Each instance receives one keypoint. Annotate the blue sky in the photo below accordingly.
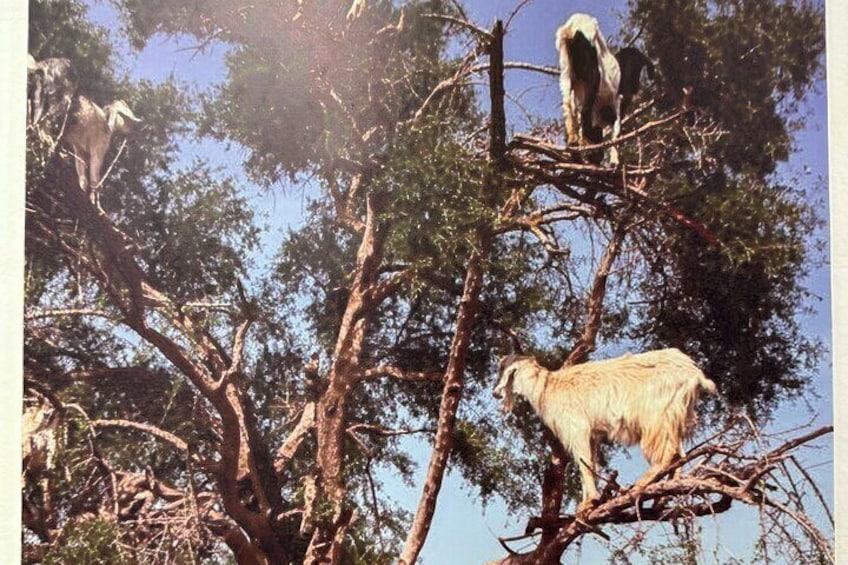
(464, 532)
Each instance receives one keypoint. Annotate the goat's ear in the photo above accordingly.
(112, 118)
(125, 111)
(115, 114)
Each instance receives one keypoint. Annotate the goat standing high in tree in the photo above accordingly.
(589, 80)
(50, 88)
(88, 135)
(597, 87)
(648, 398)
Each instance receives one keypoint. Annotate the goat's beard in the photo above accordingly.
(508, 401)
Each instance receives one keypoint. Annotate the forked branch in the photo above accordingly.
(716, 475)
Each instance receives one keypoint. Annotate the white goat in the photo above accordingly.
(50, 88)
(589, 80)
(41, 439)
(647, 398)
(88, 134)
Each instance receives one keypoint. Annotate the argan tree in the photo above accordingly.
(197, 403)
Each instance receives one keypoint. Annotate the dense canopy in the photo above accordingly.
(218, 399)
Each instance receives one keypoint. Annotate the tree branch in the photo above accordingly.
(730, 480)
(298, 434)
(586, 342)
(399, 374)
(467, 311)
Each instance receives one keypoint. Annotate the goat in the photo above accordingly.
(648, 398)
(631, 61)
(41, 439)
(88, 134)
(589, 81)
(50, 88)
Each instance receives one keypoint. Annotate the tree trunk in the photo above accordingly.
(330, 418)
(468, 307)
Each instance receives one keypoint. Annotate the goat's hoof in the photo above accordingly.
(635, 493)
(587, 505)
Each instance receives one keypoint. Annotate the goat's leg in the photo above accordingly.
(660, 453)
(569, 111)
(582, 452)
(616, 131)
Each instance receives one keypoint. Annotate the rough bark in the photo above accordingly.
(722, 473)
(330, 416)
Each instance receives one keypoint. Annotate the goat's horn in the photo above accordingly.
(127, 113)
(120, 107)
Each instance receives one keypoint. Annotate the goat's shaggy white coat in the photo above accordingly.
(647, 398)
(40, 439)
(576, 90)
(49, 88)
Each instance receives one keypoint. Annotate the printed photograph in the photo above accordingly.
(433, 282)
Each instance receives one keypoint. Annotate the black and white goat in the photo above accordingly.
(648, 398)
(589, 79)
(50, 88)
(597, 87)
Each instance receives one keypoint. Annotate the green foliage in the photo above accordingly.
(60, 28)
(734, 305)
(91, 541)
(433, 184)
(305, 91)
(747, 61)
(324, 102)
(312, 266)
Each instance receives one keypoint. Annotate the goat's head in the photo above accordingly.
(115, 114)
(506, 377)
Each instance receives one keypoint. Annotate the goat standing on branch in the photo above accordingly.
(88, 134)
(50, 88)
(597, 87)
(647, 398)
(589, 80)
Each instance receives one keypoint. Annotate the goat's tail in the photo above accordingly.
(706, 384)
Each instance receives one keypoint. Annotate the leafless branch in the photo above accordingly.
(384, 432)
(464, 23)
(298, 434)
(400, 374)
(60, 312)
(736, 477)
(520, 6)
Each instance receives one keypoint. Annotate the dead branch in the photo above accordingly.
(552, 71)
(733, 477)
(146, 428)
(60, 312)
(586, 342)
(483, 34)
(399, 374)
(384, 432)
